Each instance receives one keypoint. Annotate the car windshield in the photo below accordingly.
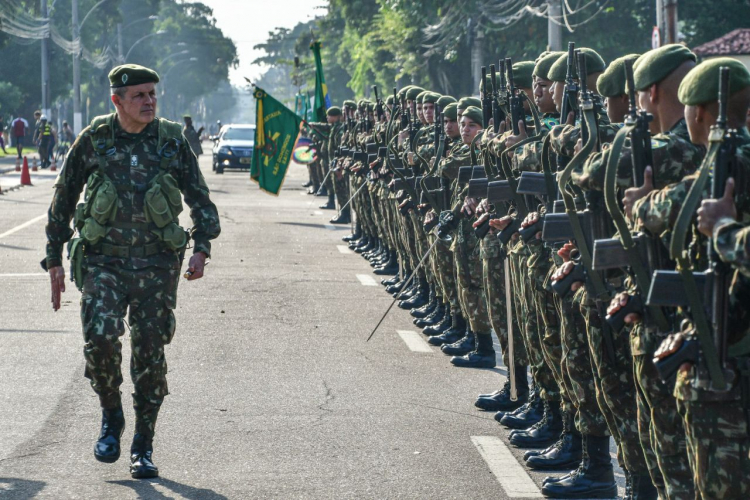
(239, 134)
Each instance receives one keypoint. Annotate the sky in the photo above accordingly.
(247, 23)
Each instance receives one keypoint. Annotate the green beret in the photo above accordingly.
(544, 63)
(445, 101)
(522, 71)
(127, 75)
(701, 84)
(474, 114)
(465, 102)
(403, 91)
(187, 116)
(451, 111)
(611, 83)
(559, 69)
(488, 81)
(370, 105)
(334, 111)
(655, 65)
(421, 95)
(349, 104)
(413, 92)
(389, 100)
(430, 97)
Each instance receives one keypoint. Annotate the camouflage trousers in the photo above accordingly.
(407, 234)
(420, 246)
(340, 187)
(148, 297)
(661, 428)
(616, 384)
(548, 324)
(576, 365)
(493, 266)
(470, 287)
(446, 273)
(718, 442)
(527, 318)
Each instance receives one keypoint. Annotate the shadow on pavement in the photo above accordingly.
(19, 489)
(145, 489)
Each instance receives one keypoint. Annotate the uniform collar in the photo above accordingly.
(152, 129)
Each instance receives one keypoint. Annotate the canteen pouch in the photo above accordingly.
(173, 236)
(75, 255)
(103, 204)
(156, 207)
(92, 231)
(79, 216)
(172, 193)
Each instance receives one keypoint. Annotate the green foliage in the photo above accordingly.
(10, 98)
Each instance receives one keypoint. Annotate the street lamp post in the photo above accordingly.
(120, 28)
(160, 32)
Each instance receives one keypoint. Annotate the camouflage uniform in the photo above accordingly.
(147, 285)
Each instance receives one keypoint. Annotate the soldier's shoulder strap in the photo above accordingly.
(170, 138)
(102, 133)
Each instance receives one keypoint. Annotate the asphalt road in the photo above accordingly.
(274, 391)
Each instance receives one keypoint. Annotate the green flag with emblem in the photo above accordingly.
(276, 133)
(322, 100)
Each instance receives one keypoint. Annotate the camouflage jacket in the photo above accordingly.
(528, 158)
(135, 162)
(674, 157)
(732, 242)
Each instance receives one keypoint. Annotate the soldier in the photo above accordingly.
(127, 259)
(193, 136)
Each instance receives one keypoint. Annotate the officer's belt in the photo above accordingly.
(125, 252)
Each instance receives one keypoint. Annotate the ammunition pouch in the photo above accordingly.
(92, 231)
(75, 255)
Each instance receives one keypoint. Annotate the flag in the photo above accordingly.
(322, 101)
(276, 133)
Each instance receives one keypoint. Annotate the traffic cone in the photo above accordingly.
(53, 166)
(18, 164)
(25, 176)
(33, 166)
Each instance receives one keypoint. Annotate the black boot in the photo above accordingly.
(500, 401)
(396, 287)
(141, 463)
(366, 246)
(441, 326)
(526, 415)
(483, 355)
(465, 345)
(593, 479)
(435, 316)
(452, 334)
(321, 191)
(564, 454)
(330, 204)
(425, 310)
(107, 447)
(391, 281)
(354, 236)
(342, 218)
(386, 270)
(418, 299)
(543, 433)
(642, 488)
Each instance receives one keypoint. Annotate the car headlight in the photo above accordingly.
(224, 150)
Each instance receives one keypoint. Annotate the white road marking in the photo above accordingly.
(414, 341)
(303, 193)
(509, 473)
(343, 249)
(318, 212)
(25, 224)
(366, 280)
(330, 227)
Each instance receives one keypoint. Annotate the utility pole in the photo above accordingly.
(554, 29)
(120, 55)
(45, 67)
(77, 117)
(670, 17)
(476, 61)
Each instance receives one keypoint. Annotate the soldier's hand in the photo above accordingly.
(530, 220)
(618, 302)
(470, 205)
(57, 282)
(711, 211)
(410, 158)
(565, 251)
(480, 220)
(634, 194)
(578, 147)
(501, 223)
(484, 205)
(571, 119)
(515, 139)
(565, 270)
(196, 266)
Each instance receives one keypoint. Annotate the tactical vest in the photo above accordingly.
(162, 199)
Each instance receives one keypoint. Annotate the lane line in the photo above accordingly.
(344, 249)
(509, 473)
(330, 227)
(318, 212)
(24, 225)
(366, 280)
(414, 341)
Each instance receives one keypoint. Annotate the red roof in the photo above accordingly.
(735, 42)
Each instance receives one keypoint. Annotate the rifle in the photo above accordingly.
(486, 100)
(570, 98)
(378, 103)
(515, 102)
(497, 112)
(710, 329)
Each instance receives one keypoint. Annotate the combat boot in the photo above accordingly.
(141, 461)
(642, 488)
(391, 281)
(409, 291)
(107, 447)
(425, 310)
(354, 236)
(321, 191)
(564, 454)
(594, 478)
(441, 326)
(525, 416)
(543, 433)
(396, 287)
(483, 355)
(330, 204)
(432, 317)
(344, 217)
(368, 245)
(418, 299)
(452, 334)
(387, 269)
(500, 400)
(354, 245)
(465, 345)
